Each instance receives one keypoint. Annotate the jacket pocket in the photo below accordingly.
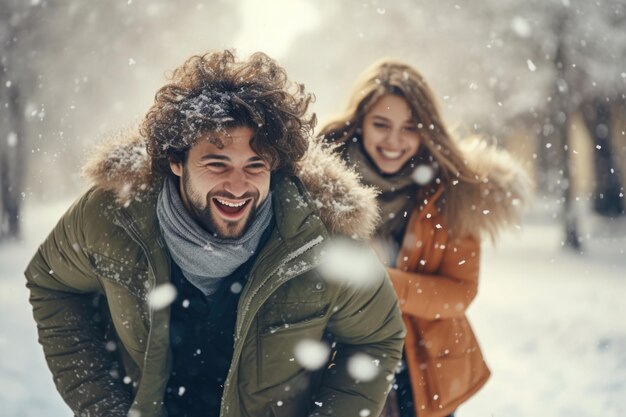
(276, 362)
(296, 401)
(443, 338)
(129, 316)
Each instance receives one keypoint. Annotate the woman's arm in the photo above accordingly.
(447, 293)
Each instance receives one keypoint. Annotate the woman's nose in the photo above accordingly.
(394, 137)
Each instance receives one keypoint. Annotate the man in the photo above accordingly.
(217, 209)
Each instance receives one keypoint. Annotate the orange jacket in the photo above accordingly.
(436, 279)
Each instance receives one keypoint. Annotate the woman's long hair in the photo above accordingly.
(437, 145)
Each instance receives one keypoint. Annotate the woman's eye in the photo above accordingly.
(410, 128)
(379, 125)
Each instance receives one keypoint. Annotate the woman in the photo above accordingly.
(437, 198)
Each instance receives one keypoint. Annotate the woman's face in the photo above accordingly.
(390, 136)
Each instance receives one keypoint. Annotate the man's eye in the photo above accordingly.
(257, 167)
(218, 165)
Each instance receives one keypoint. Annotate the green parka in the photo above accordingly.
(108, 350)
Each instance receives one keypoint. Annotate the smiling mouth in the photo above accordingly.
(231, 209)
(391, 155)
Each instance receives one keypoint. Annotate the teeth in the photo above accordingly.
(226, 203)
(391, 154)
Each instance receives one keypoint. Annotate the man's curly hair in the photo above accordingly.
(215, 92)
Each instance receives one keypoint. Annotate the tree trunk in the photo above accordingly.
(12, 160)
(562, 108)
(549, 155)
(16, 77)
(560, 140)
(608, 189)
(570, 214)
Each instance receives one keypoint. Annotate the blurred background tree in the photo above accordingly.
(65, 66)
(504, 68)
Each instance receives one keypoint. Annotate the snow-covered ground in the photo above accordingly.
(26, 386)
(552, 325)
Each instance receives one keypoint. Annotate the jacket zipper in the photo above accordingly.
(238, 334)
(293, 255)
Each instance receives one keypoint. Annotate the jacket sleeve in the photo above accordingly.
(62, 292)
(446, 294)
(368, 321)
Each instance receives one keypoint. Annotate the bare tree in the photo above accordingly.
(608, 189)
(62, 64)
(18, 23)
(581, 45)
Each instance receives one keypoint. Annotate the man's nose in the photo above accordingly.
(236, 183)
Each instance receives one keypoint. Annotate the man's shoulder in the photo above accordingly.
(99, 198)
(105, 204)
(105, 234)
(95, 215)
(345, 205)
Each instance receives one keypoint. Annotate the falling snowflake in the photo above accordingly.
(423, 174)
(521, 27)
(162, 296)
(311, 354)
(362, 367)
(347, 262)
(236, 288)
(12, 139)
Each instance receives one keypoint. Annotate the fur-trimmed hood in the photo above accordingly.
(121, 165)
(496, 200)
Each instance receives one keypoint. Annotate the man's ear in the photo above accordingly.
(176, 167)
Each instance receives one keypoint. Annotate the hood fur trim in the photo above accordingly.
(346, 205)
(496, 200)
(121, 165)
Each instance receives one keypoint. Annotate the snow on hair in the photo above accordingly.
(215, 91)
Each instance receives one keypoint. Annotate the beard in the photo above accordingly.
(202, 211)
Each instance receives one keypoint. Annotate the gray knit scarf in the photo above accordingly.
(396, 200)
(397, 191)
(203, 258)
